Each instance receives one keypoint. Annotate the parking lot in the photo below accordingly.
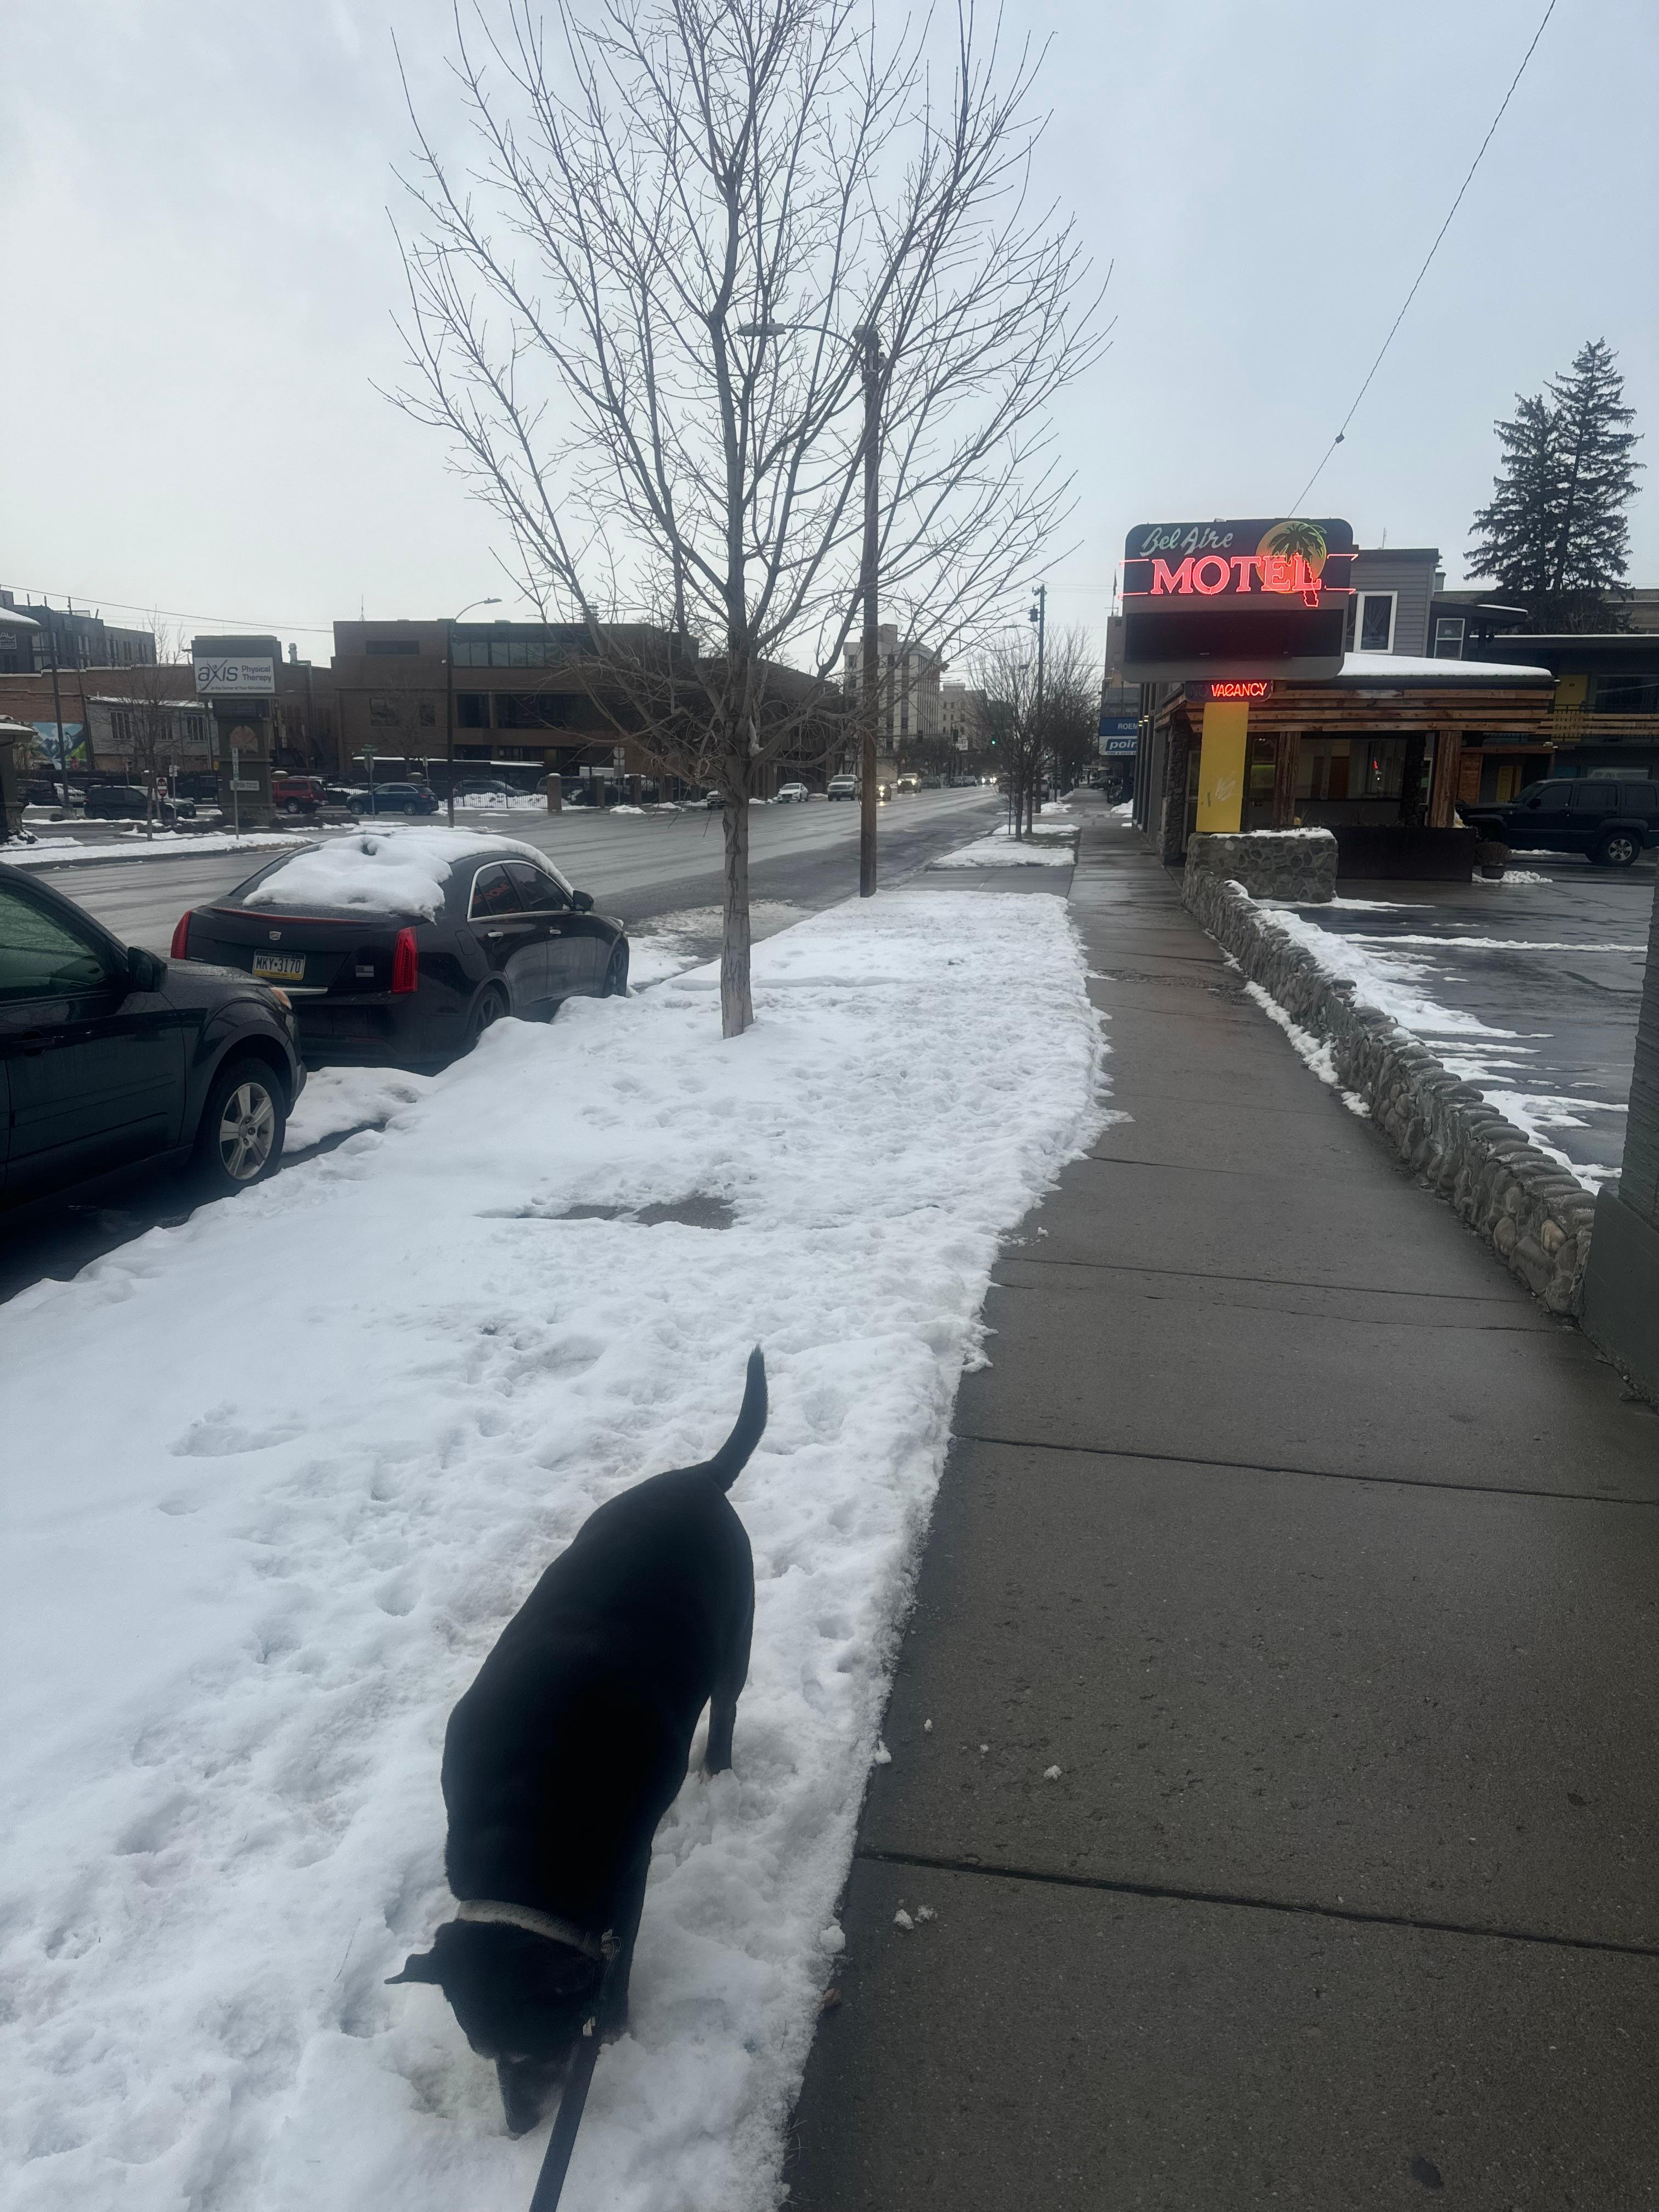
(1528, 989)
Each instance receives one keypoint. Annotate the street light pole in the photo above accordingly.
(449, 695)
(1039, 615)
(869, 681)
(864, 339)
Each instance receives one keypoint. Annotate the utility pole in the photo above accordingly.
(57, 704)
(1039, 615)
(869, 682)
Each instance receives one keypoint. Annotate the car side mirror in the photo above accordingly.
(582, 901)
(144, 969)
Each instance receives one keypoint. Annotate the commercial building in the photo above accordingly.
(908, 700)
(77, 640)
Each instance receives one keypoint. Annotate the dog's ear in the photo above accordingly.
(419, 1966)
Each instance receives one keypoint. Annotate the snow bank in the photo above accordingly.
(1001, 849)
(340, 1425)
(380, 871)
(166, 845)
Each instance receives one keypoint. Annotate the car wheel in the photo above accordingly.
(291, 807)
(488, 1011)
(1617, 849)
(616, 975)
(239, 1140)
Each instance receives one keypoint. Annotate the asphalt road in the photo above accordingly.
(638, 867)
(1554, 968)
(645, 869)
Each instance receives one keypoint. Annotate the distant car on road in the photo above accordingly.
(843, 786)
(906, 784)
(714, 799)
(398, 799)
(1611, 820)
(113, 1058)
(400, 948)
(127, 802)
(793, 794)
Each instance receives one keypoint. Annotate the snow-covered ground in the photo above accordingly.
(164, 845)
(277, 1478)
(1051, 844)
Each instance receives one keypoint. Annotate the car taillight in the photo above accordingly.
(405, 962)
(179, 949)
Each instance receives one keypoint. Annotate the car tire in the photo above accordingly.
(292, 806)
(238, 1140)
(1617, 849)
(616, 973)
(488, 1009)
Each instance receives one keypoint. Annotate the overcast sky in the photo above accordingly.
(200, 275)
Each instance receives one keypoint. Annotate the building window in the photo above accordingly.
(383, 711)
(1627, 695)
(1376, 621)
(472, 710)
(390, 645)
(1448, 637)
(532, 710)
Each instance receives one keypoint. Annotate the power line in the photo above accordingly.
(1295, 504)
(185, 614)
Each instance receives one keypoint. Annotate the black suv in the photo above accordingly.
(1610, 821)
(111, 1058)
(126, 802)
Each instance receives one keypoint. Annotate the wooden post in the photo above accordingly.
(1443, 798)
(1284, 778)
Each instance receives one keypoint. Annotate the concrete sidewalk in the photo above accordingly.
(1324, 1566)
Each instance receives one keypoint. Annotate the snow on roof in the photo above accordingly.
(1411, 668)
(15, 618)
(381, 871)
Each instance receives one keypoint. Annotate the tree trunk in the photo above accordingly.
(737, 1005)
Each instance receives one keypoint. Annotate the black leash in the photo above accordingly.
(549, 2183)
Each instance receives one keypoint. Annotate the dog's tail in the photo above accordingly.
(732, 1457)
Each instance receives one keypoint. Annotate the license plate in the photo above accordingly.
(280, 967)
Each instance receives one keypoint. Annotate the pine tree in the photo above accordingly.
(1590, 559)
(1516, 529)
(1554, 534)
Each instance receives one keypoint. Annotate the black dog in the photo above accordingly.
(570, 1747)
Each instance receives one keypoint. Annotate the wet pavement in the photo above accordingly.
(1529, 988)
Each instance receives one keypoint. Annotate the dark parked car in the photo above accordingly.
(111, 1058)
(126, 802)
(398, 799)
(475, 788)
(401, 948)
(1610, 820)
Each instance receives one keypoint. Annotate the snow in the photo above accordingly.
(343, 1421)
(166, 845)
(382, 870)
(674, 942)
(1512, 876)
(1001, 849)
(1384, 667)
(1487, 1058)
(1316, 1052)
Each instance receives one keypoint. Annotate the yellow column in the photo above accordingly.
(1221, 764)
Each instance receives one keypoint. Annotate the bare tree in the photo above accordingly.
(152, 698)
(1057, 734)
(645, 315)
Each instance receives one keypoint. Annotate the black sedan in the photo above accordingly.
(1610, 819)
(127, 802)
(112, 1059)
(399, 948)
(398, 799)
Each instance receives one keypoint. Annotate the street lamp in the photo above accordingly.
(866, 342)
(1039, 615)
(449, 695)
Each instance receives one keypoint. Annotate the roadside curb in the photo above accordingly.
(1537, 1218)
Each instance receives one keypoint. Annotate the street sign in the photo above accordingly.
(1116, 747)
(1250, 689)
(221, 678)
(1238, 600)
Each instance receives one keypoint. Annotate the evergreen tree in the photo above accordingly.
(1554, 534)
(1590, 558)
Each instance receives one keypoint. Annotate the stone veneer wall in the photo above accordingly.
(1298, 864)
(1537, 1216)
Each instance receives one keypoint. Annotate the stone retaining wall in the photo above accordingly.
(1298, 864)
(1537, 1216)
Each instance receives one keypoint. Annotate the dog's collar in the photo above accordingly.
(492, 1910)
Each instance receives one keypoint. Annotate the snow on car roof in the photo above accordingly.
(382, 870)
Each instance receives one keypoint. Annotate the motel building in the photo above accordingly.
(1298, 727)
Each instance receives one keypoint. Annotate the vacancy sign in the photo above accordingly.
(219, 678)
(1235, 602)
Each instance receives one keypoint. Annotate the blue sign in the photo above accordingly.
(1120, 745)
